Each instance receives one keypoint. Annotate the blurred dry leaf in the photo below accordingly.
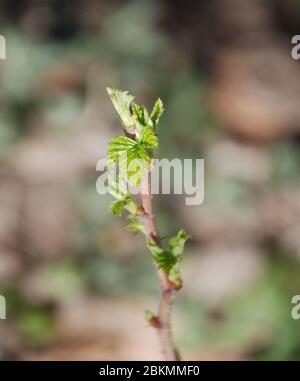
(256, 93)
(222, 271)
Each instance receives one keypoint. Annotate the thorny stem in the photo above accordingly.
(167, 288)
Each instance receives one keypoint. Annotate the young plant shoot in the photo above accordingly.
(132, 156)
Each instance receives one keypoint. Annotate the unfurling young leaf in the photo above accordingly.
(132, 156)
(148, 138)
(122, 101)
(157, 112)
(140, 114)
(117, 146)
(117, 206)
(176, 246)
(118, 188)
(165, 260)
(126, 202)
(135, 225)
(117, 185)
(176, 243)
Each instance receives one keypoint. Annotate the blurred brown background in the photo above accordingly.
(76, 282)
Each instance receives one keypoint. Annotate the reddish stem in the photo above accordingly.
(168, 289)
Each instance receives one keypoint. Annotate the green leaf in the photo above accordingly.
(117, 187)
(117, 206)
(175, 276)
(119, 145)
(164, 259)
(148, 138)
(135, 225)
(136, 166)
(157, 112)
(141, 115)
(131, 156)
(122, 102)
(126, 202)
(176, 243)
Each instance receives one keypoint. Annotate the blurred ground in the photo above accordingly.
(75, 281)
